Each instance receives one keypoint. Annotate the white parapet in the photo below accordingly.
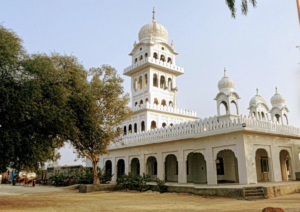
(156, 62)
(203, 128)
(165, 109)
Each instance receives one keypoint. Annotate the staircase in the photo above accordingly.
(254, 193)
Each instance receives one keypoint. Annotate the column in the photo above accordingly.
(211, 167)
(181, 164)
(114, 168)
(160, 166)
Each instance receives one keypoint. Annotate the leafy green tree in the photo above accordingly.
(99, 111)
(244, 6)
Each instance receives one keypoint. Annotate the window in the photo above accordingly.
(153, 125)
(155, 80)
(162, 48)
(140, 83)
(135, 61)
(135, 104)
(264, 164)
(164, 124)
(162, 82)
(156, 101)
(143, 126)
(262, 115)
(155, 56)
(141, 57)
(171, 124)
(135, 128)
(220, 166)
(162, 58)
(125, 130)
(223, 108)
(146, 100)
(145, 80)
(170, 104)
(130, 129)
(141, 102)
(277, 116)
(141, 49)
(169, 60)
(146, 55)
(163, 102)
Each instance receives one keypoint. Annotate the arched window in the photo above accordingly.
(254, 114)
(153, 125)
(140, 83)
(277, 117)
(141, 102)
(155, 80)
(155, 55)
(162, 48)
(146, 100)
(223, 108)
(169, 60)
(163, 102)
(171, 124)
(146, 55)
(156, 101)
(162, 82)
(170, 104)
(233, 108)
(125, 132)
(135, 127)
(170, 84)
(162, 58)
(135, 61)
(135, 104)
(129, 129)
(145, 80)
(164, 124)
(143, 126)
(262, 116)
(135, 84)
(141, 57)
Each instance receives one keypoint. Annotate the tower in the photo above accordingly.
(153, 73)
(279, 111)
(258, 107)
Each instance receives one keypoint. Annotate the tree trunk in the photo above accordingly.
(95, 174)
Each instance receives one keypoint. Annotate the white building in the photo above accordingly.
(177, 146)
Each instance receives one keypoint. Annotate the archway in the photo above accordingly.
(196, 168)
(152, 167)
(233, 108)
(171, 169)
(227, 167)
(223, 108)
(129, 129)
(277, 118)
(125, 132)
(155, 80)
(285, 165)
(135, 127)
(143, 126)
(162, 82)
(135, 166)
(155, 101)
(262, 165)
(153, 125)
(108, 167)
(163, 102)
(120, 167)
(155, 55)
(145, 80)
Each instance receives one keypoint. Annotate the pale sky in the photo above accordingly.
(258, 50)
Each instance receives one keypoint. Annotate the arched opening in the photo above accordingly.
(129, 129)
(135, 166)
(156, 101)
(171, 124)
(277, 118)
(120, 167)
(254, 114)
(223, 108)
(143, 126)
(164, 124)
(146, 55)
(285, 165)
(155, 56)
(146, 100)
(108, 167)
(162, 58)
(163, 102)
(152, 167)
(162, 82)
(135, 104)
(145, 80)
(155, 80)
(170, 104)
(125, 132)
(227, 167)
(135, 60)
(141, 57)
(196, 168)
(141, 102)
(285, 119)
(140, 83)
(170, 84)
(233, 108)
(153, 125)
(135, 84)
(263, 116)
(262, 165)
(169, 60)
(171, 169)
(135, 127)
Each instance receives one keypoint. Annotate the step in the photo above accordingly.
(254, 191)
(255, 194)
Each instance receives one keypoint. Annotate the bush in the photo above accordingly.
(161, 185)
(134, 182)
(84, 176)
(58, 179)
(105, 176)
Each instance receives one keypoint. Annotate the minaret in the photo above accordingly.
(279, 111)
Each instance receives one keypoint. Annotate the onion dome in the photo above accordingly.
(257, 99)
(226, 84)
(277, 99)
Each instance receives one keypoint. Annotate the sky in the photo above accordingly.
(257, 50)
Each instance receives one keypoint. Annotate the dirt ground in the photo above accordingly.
(73, 201)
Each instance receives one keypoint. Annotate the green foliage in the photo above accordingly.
(161, 185)
(105, 177)
(134, 182)
(58, 179)
(244, 6)
(83, 176)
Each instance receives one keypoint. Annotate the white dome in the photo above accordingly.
(277, 99)
(257, 99)
(154, 29)
(226, 83)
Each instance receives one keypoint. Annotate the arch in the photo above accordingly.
(129, 129)
(135, 60)
(263, 116)
(156, 101)
(285, 119)
(233, 108)
(140, 83)
(142, 126)
(135, 166)
(254, 114)
(146, 55)
(170, 84)
(171, 124)
(169, 60)
(262, 162)
(146, 100)
(108, 167)
(162, 82)
(145, 80)
(151, 167)
(277, 118)
(141, 102)
(125, 132)
(120, 167)
(135, 127)
(162, 58)
(141, 57)
(155, 56)
(153, 125)
(135, 104)
(223, 108)
(155, 80)
(135, 84)
(196, 168)
(285, 165)
(164, 124)
(163, 102)
(171, 168)
(170, 104)
(227, 167)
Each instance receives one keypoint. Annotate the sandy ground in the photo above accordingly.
(48, 199)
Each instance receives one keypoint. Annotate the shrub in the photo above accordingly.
(161, 185)
(58, 179)
(84, 176)
(105, 177)
(134, 182)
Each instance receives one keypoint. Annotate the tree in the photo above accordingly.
(99, 111)
(244, 6)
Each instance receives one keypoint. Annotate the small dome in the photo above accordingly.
(277, 99)
(226, 83)
(257, 99)
(154, 29)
